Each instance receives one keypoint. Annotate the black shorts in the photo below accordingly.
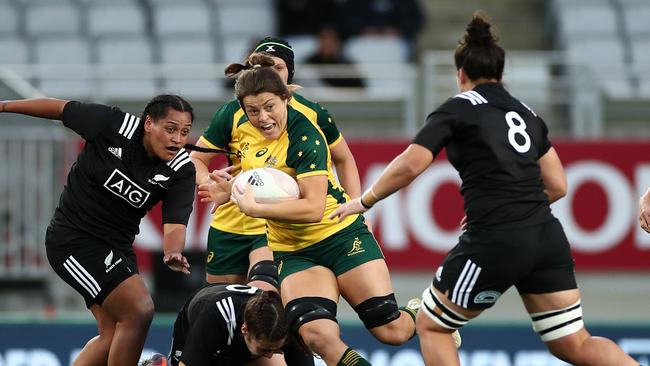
(89, 265)
(485, 263)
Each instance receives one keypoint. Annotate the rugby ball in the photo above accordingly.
(269, 185)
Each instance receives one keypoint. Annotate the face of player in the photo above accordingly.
(281, 68)
(262, 348)
(164, 137)
(268, 113)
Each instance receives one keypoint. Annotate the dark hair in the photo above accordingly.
(278, 47)
(478, 52)
(158, 106)
(255, 76)
(265, 317)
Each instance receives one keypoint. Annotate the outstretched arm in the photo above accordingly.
(173, 244)
(398, 174)
(346, 168)
(37, 107)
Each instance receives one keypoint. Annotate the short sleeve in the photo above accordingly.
(88, 119)
(328, 126)
(178, 202)
(436, 132)
(308, 151)
(220, 129)
(545, 144)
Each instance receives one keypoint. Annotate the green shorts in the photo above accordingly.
(347, 249)
(228, 252)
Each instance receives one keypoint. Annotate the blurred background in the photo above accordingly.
(379, 67)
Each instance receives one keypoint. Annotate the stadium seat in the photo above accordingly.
(181, 18)
(52, 18)
(8, 19)
(115, 56)
(64, 65)
(14, 51)
(106, 19)
(635, 18)
(528, 77)
(190, 54)
(579, 21)
(378, 59)
(604, 59)
(234, 18)
(303, 47)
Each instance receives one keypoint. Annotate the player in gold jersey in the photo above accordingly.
(236, 242)
(319, 259)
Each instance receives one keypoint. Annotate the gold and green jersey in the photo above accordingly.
(223, 134)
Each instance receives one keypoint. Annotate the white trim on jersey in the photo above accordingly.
(465, 283)
(527, 107)
(179, 160)
(82, 276)
(129, 125)
(227, 310)
(472, 96)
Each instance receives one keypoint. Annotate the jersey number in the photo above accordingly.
(242, 288)
(517, 127)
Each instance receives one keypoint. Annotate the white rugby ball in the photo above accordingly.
(269, 185)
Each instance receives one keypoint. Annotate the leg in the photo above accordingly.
(372, 280)
(316, 325)
(230, 278)
(131, 306)
(263, 272)
(571, 342)
(437, 319)
(95, 352)
(230, 255)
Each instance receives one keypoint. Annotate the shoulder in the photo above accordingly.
(298, 122)
(181, 164)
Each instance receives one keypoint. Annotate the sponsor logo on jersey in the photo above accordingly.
(117, 151)
(157, 179)
(487, 297)
(271, 161)
(108, 260)
(262, 152)
(255, 180)
(356, 247)
(120, 185)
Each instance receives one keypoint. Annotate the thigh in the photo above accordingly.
(316, 281)
(541, 303)
(91, 267)
(370, 279)
(128, 300)
(228, 253)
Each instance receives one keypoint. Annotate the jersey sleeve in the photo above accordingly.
(207, 334)
(88, 120)
(328, 126)
(545, 144)
(177, 205)
(436, 132)
(307, 152)
(219, 132)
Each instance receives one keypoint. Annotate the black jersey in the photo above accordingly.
(207, 330)
(494, 141)
(114, 182)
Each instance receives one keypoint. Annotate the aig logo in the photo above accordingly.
(123, 187)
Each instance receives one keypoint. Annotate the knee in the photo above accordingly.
(319, 335)
(313, 318)
(141, 312)
(378, 315)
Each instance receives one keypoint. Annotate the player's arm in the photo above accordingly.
(173, 245)
(346, 168)
(553, 176)
(201, 162)
(309, 208)
(36, 107)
